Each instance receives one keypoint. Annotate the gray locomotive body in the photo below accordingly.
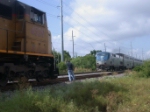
(115, 61)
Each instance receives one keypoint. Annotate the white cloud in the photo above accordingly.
(112, 22)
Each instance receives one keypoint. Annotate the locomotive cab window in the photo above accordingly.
(37, 16)
(5, 11)
(20, 12)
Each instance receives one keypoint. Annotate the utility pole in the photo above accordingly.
(119, 49)
(105, 47)
(62, 41)
(73, 43)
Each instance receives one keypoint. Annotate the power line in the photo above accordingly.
(48, 14)
(47, 3)
(84, 26)
(83, 18)
(83, 34)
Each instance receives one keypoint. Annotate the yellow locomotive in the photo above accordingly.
(25, 43)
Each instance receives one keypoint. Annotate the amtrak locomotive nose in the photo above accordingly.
(101, 60)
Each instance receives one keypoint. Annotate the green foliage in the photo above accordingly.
(66, 55)
(143, 70)
(138, 68)
(62, 66)
(57, 56)
(125, 94)
(90, 98)
(87, 62)
(81, 62)
(94, 52)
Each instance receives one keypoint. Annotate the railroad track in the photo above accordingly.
(11, 86)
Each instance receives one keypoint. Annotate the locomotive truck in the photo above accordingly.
(25, 43)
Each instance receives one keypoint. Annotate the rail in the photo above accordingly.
(61, 79)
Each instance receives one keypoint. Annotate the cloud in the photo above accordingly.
(112, 22)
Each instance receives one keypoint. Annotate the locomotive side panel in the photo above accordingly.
(7, 34)
(3, 39)
(36, 38)
(20, 28)
(49, 43)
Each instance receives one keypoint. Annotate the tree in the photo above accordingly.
(66, 55)
(57, 56)
(93, 52)
(87, 62)
(62, 66)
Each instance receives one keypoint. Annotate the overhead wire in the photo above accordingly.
(47, 3)
(83, 18)
(82, 33)
(77, 22)
(88, 23)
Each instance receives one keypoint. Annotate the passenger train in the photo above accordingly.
(115, 61)
(25, 43)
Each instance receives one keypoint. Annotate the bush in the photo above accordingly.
(86, 62)
(143, 70)
(62, 66)
(138, 68)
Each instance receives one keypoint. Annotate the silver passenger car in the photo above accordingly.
(115, 61)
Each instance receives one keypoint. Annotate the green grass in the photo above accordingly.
(125, 94)
(77, 70)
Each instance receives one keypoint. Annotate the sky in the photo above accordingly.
(111, 25)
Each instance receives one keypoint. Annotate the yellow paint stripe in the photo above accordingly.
(27, 53)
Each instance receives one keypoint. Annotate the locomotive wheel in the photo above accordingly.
(3, 79)
(23, 82)
(39, 77)
(23, 79)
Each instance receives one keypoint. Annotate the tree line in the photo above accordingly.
(80, 63)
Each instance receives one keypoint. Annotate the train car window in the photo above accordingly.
(118, 56)
(5, 11)
(37, 16)
(121, 62)
(113, 55)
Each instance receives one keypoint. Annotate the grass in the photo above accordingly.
(125, 94)
(77, 70)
